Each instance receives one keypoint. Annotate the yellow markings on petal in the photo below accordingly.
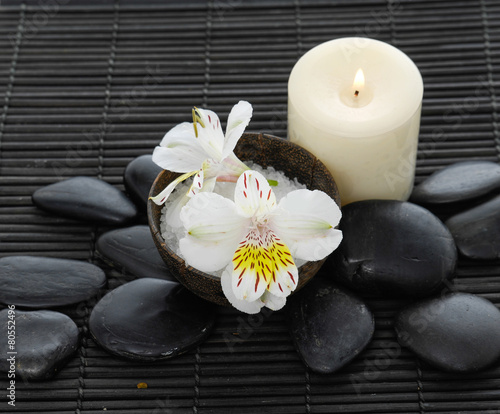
(250, 266)
(262, 261)
(285, 275)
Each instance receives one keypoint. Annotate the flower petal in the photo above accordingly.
(252, 267)
(306, 224)
(237, 121)
(210, 136)
(197, 184)
(262, 262)
(172, 215)
(201, 183)
(284, 274)
(317, 248)
(214, 230)
(162, 197)
(314, 203)
(179, 151)
(273, 302)
(209, 184)
(179, 134)
(230, 168)
(241, 305)
(253, 195)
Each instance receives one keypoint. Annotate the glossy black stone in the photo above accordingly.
(458, 332)
(133, 250)
(44, 282)
(477, 231)
(87, 199)
(329, 325)
(458, 182)
(138, 178)
(151, 319)
(393, 247)
(44, 341)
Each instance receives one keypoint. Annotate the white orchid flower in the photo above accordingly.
(256, 239)
(201, 149)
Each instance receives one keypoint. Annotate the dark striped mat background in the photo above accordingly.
(86, 88)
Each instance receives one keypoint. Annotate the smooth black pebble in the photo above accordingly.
(133, 250)
(329, 325)
(44, 282)
(151, 319)
(477, 231)
(138, 178)
(458, 332)
(458, 182)
(44, 341)
(393, 247)
(87, 199)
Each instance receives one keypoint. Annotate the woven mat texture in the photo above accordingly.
(86, 87)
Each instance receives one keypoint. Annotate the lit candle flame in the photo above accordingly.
(359, 82)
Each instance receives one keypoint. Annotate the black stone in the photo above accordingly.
(87, 199)
(458, 182)
(138, 178)
(133, 251)
(458, 332)
(44, 282)
(477, 231)
(151, 319)
(44, 341)
(393, 247)
(329, 325)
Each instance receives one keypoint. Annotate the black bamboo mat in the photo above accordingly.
(86, 87)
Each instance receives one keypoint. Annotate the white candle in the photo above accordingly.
(364, 131)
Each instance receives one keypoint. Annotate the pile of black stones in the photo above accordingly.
(390, 249)
(149, 318)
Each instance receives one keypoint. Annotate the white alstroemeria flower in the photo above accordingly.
(255, 239)
(201, 149)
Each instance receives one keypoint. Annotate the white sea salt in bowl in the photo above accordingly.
(267, 151)
(172, 235)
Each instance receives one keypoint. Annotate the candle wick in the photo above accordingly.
(356, 93)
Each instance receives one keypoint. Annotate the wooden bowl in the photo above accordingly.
(265, 150)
